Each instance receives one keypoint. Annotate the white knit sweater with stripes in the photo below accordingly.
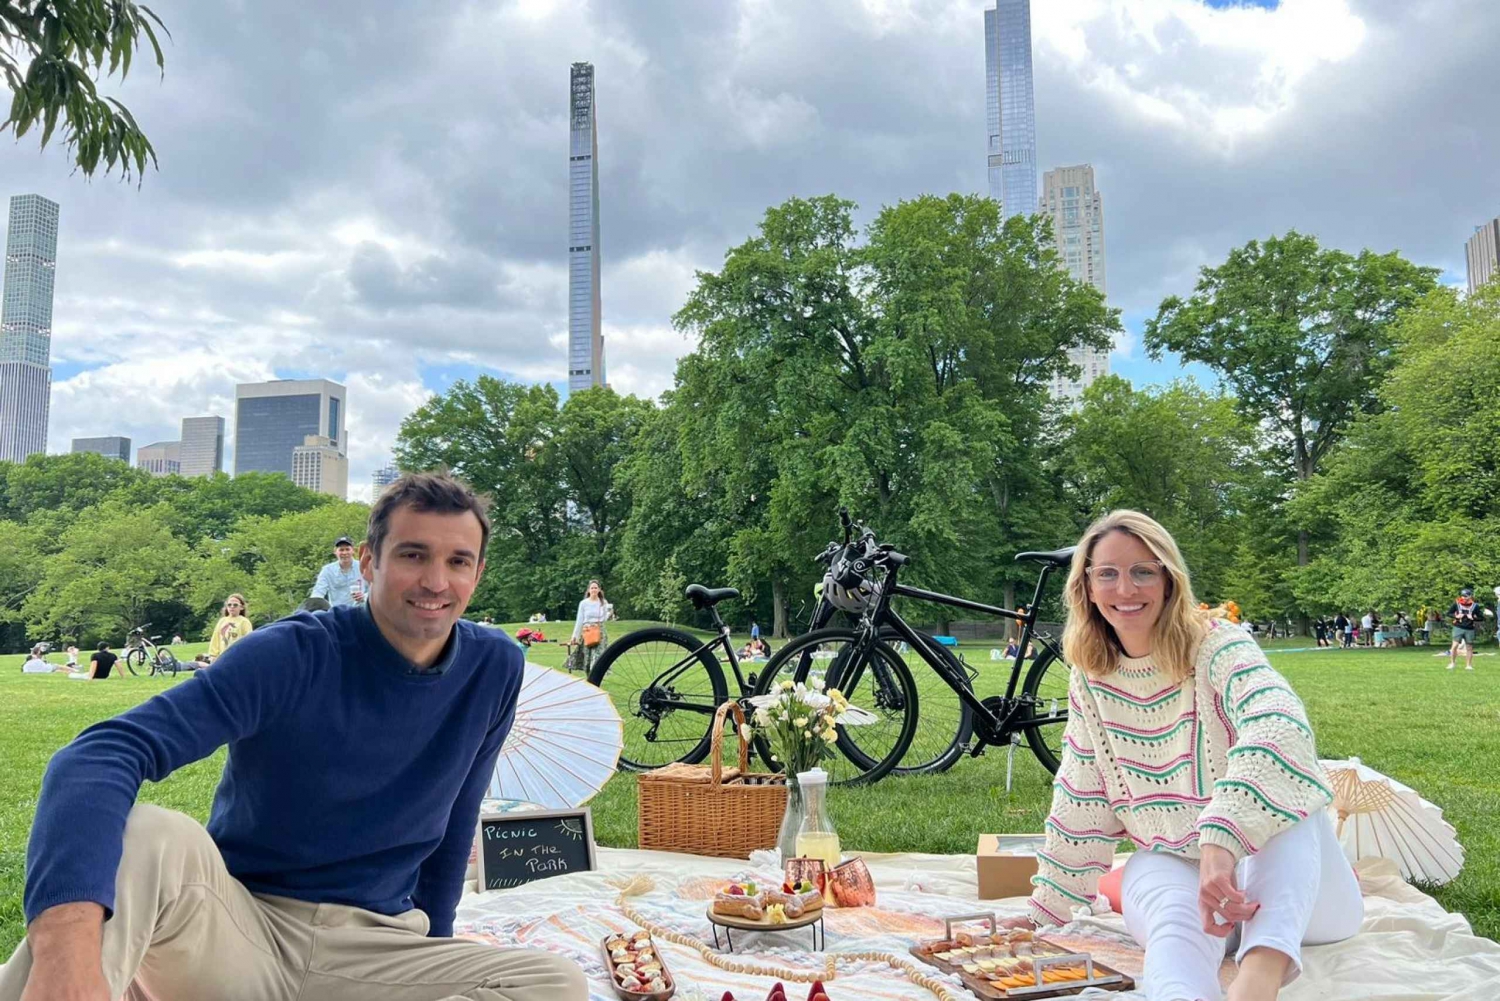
(1224, 758)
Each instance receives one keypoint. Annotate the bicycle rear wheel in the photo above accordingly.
(1046, 691)
(873, 677)
(666, 690)
(166, 662)
(134, 658)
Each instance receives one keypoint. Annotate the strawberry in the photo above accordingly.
(787, 888)
(735, 890)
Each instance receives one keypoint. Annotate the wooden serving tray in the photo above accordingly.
(1099, 975)
(666, 974)
(764, 924)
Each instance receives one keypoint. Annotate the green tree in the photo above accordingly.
(115, 568)
(61, 482)
(52, 52)
(1301, 335)
(210, 506)
(902, 377)
(1178, 453)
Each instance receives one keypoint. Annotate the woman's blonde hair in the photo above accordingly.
(244, 608)
(1090, 643)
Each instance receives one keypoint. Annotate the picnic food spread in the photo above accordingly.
(636, 969)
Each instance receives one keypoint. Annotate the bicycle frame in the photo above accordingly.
(882, 614)
(821, 614)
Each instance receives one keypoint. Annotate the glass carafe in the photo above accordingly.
(817, 838)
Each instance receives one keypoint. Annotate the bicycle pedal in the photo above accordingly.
(977, 751)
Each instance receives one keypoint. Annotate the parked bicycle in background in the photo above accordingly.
(143, 654)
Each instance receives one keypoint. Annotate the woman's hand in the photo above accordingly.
(1217, 893)
(1022, 922)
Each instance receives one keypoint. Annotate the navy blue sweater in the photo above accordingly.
(351, 777)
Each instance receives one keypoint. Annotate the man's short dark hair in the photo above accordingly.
(103, 645)
(430, 493)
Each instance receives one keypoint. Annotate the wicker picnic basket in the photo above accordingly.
(704, 810)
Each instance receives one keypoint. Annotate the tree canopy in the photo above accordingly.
(53, 52)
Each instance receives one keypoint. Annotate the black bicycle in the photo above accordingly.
(667, 683)
(923, 727)
(141, 650)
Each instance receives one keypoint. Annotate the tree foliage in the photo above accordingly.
(52, 53)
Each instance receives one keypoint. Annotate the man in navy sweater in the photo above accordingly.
(360, 743)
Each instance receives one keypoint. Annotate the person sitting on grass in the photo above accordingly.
(1181, 737)
(360, 743)
(101, 663)
(37, 662)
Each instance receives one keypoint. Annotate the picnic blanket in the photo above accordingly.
(1409, 949)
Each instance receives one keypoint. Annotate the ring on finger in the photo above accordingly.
(1223, 902)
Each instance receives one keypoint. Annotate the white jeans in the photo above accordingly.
(1307, 892)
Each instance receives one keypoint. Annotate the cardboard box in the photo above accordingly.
(1005, 864)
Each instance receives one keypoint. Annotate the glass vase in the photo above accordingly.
(791, 821)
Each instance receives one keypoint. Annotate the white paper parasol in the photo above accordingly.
(564, 744)
(1380, 817)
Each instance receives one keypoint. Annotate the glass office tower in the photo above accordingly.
(1010, 106)
(26, 327)
(585, 334)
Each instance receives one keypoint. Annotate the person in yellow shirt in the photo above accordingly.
(231, 627)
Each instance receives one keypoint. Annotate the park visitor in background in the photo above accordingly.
(361, 741)
(339, 582)
(1464, 616)
(589, 635)
(233, 626)
(1237, 834)
(101, 663)
(37, 663)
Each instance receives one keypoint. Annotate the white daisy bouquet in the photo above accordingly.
(801, 722)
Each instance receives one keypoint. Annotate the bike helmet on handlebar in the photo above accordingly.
(846, 585)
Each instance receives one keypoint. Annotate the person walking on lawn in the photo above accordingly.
(360, 743)
(1181, 737)
(1464, 615)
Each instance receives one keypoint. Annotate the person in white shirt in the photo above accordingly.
(36, 664)
(593, 612)
(339, 583)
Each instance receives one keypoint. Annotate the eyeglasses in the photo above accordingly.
(1143, 575)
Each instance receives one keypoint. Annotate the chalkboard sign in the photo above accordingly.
(516, 848)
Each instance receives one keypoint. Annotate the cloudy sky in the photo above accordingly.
(375, 190)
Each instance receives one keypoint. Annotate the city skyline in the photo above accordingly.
(585, 330)
(26, 326)
(1482, 254)
(111, 446)
(396, 268)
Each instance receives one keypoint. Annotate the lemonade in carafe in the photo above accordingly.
(817, 838)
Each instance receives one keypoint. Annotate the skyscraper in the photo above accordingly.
(585, 338)
(111, 446)
(202, 446)
(160, 458)
(1077, 210)
(273, 418)
(318, 465)
(1483, 254)
(26, 327)
(383, 477)
(1010, 106)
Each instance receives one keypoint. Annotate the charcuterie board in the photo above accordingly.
(1011, 965)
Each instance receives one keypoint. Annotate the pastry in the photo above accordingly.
(657, 985)
(740, 900)
(648, 971)
(631, 984)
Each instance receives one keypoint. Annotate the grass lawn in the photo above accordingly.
(1398, 710)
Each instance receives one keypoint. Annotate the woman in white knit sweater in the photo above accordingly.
(1183, 739)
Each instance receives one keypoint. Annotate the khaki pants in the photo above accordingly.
(185, 930)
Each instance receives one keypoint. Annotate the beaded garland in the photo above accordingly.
(636, 885)
(1226, 757)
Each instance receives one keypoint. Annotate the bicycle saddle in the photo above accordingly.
(1056, 558)
(707, 597)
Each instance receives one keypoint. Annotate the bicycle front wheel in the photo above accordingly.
(666, 689)
(1046, 692)
(873, 677)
